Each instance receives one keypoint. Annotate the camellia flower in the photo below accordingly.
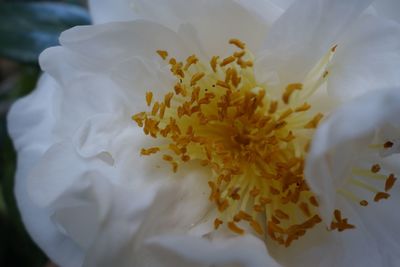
(216, 133)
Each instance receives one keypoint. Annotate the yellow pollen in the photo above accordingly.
(218, 116)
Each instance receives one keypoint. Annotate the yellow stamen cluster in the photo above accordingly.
(219, 116)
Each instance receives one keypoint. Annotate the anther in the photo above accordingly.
(227, 61)
(234, 228)
(390, 182)
(375, 168)
(238, 43)
(289, 91)
(381, 195)
(217, 223)
(163, 54)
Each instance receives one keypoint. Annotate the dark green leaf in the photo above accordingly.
(26, 29)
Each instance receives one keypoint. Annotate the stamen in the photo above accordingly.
(218, 116)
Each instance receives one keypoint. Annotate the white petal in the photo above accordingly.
(215, 22)
(304, 33)
(383, 223)
(389, 9)
(103, 11)
(321, 248)
(31, 119)
(102, 217)
(30, 122)
(246, 251)
(120, 40)
(367, 58)
(342, 138)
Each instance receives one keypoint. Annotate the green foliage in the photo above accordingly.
(26, 29)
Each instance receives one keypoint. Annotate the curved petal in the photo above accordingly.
(246, 251)
(343, 138)
(30, 123)
(120, 40)
(214, 22)
(389, 9)
(367, 58)
(322, 248)
(103, 11)
(304, 33)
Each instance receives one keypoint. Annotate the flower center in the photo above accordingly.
(252, 139)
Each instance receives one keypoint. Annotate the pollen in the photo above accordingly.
(251, 139)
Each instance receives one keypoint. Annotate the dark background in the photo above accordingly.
(26, 29)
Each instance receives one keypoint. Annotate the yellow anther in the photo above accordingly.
(139, 118)
(214, 62)
(227, 61)
(196, 77)
(155, 109)
(190, 61)
(281, 214)
(217, 223)
(223, 84)
(238, 43)
(168, 158)
(239, 54)
(273, 107)
(313, 123)
(149, 97)
(163, 54)
(375, 168)
(234, 228)
(390, 182)
(289, 91)
(167, 99)
(149, 151)
(303, 107)
(388, 144)
(381, 195)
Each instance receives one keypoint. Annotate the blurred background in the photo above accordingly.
(26, 29)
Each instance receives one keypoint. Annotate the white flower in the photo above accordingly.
(91, 196)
